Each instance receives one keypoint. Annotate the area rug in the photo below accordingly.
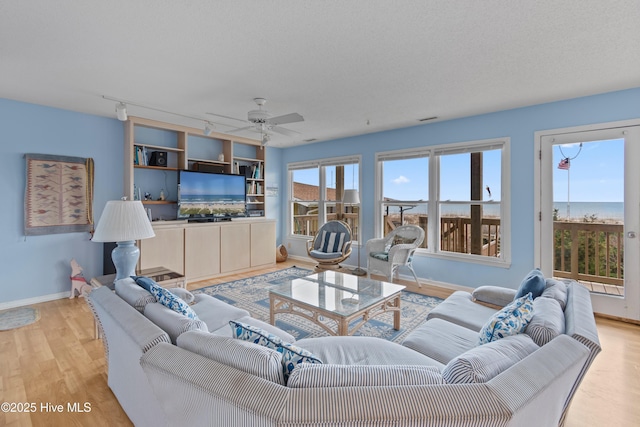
(18, 317)
(252, 295)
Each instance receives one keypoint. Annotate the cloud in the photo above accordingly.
(401, 180)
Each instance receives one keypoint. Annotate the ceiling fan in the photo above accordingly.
(263, 122)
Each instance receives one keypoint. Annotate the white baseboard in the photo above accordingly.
(34, 300)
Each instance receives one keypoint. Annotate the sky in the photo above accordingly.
(596, 174)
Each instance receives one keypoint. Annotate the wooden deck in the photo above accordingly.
(603, 288)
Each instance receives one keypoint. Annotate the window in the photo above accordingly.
(460, 186)
(316, 193)
(405, 190)
(305, 200)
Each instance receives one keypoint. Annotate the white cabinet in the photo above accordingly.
(263, 246)
(235, 242)
(166, 249)
(202, 251)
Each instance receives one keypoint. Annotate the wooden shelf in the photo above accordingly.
(215, 162)
(161, 168)
(185, 148)
(160, 147)
(158, 202)
(246, 159)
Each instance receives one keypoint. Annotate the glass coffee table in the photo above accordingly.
(340, 297)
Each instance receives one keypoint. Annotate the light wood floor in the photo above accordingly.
(57, 361)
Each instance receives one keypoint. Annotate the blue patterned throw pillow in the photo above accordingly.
(254, 334)
(292, 355)
(511, 320)
(165, 297)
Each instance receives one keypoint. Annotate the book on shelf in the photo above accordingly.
(140, 156)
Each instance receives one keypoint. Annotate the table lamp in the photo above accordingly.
(352, 197)
(124, 222)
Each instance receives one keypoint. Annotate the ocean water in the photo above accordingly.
(602, 210)
(577, 210)
(199, 198)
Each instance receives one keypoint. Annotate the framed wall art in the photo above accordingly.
(58, 194)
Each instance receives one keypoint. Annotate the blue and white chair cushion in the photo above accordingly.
(332, 242)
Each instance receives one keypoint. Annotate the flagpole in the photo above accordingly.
(568, 194)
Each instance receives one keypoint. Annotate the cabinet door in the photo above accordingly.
(202, 251)
(263, 243)
(166, 249)
(235, 240)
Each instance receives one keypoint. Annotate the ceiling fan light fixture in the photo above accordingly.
(208, 128)
(121, 111)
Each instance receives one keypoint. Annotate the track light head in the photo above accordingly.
(121, 111)
(208, 128)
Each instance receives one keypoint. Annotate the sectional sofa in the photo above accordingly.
(166, 369)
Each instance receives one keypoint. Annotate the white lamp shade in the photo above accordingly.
(351, 197)
(123, 220)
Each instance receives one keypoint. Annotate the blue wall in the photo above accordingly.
(38, 266)
(518, 124)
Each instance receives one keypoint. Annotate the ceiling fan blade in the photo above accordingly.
(287, 118)
(227, 117)
(283, 131)
(240, 129)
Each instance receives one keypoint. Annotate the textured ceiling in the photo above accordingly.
(349, 67)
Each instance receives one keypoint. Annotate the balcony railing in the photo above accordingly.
(307, 225)
(589, 252)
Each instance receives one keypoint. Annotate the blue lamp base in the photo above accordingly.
(125, 258)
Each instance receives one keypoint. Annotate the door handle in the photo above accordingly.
(631, 234)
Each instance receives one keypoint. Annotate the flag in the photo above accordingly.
(564, 164)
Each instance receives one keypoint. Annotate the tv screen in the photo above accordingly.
(211, 195)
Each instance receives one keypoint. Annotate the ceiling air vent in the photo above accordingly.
(426, 119)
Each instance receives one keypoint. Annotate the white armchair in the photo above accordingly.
(394, 250)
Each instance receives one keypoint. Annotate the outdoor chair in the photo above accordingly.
(331, 245)
(395, 250)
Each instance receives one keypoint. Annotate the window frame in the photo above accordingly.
(433, 228)
(321, 164)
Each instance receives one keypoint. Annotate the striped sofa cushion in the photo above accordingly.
(242, 355)
(135, 295)
(547, 322)
(484, 362)
(307, 375)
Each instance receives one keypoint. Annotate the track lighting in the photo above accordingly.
(121, 111)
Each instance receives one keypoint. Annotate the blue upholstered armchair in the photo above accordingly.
(331, 245)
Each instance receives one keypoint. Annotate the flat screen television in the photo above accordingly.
(211, 196)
